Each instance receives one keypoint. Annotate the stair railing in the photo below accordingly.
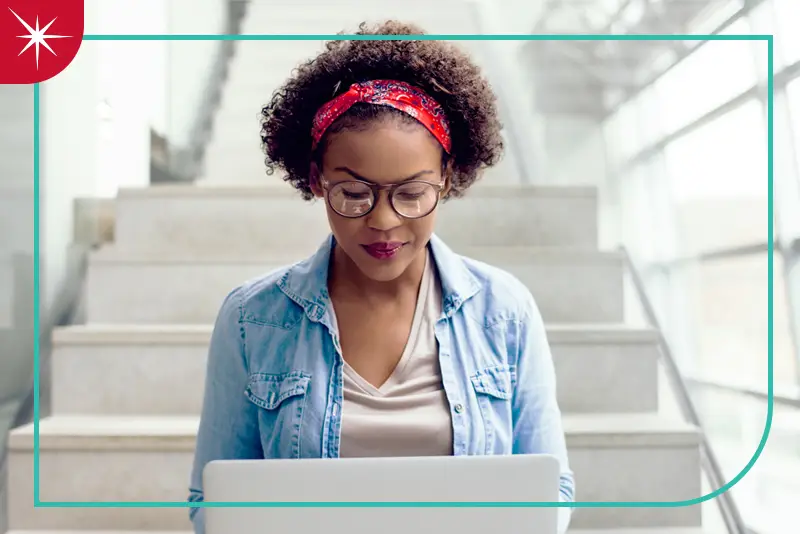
(186, 162)
(727, 505)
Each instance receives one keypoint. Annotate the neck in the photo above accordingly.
(348, 280)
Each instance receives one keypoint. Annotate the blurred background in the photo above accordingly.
(672, 133)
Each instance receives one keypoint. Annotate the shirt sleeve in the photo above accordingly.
(538, 427)
(228, 426)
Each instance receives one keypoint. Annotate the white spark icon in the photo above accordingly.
(37, 36)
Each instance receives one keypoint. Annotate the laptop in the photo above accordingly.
(452, 479)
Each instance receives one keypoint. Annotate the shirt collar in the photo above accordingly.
(306, 282)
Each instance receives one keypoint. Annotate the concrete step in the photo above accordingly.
(259, 67)
(615, 458)
(242, 162)
(256, 61)
(273, 59)
(231, 220)
(242, 98)
(123, 369)
(320, 17)
(254, 73)
(644, 530)
(569, 286)
(276, 61)
(244, 165)
(656, 530)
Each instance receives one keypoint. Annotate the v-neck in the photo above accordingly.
(396, 377)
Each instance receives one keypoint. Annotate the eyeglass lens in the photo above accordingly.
(411, 199)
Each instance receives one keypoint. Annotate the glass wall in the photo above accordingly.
(787, 15)
(689, 157)
(793, 101)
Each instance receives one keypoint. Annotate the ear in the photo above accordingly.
(448, 179)
(314, 177)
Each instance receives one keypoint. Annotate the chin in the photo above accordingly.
(385, 275)
(381, 270)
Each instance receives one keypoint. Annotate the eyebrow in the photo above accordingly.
(359, 177)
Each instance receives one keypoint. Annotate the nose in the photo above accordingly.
(383, 217)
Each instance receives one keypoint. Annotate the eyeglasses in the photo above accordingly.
(353, 198)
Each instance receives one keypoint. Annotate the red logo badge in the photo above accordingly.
(38, 38)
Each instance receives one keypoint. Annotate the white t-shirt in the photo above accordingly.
(409, 414)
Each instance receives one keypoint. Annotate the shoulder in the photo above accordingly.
(502, 295)
(506, 311)
(260, 300)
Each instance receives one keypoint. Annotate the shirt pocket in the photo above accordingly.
(494, 388)
(282, 399)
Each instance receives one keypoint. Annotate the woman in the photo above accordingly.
(384, 342)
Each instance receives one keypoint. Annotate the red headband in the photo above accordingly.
(398, 95)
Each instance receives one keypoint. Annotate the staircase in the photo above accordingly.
(127, 385)
(16, 259)
(257, 68)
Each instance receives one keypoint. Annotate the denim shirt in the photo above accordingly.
(274, 372)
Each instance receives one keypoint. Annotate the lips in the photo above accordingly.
(383, 250)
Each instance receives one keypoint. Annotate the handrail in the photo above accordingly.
(792, 400)
(730, 512)
(187, 161)
(65, 306)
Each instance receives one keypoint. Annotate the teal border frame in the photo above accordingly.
(333, 504)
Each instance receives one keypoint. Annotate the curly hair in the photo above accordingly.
(438, 68)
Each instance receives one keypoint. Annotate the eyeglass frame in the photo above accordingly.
(376, 189)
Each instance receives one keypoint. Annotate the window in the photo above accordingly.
(649, 117)
(787, 37)
(727, 306)
(718, 180)
(793, 98)
(639, 232)
(715, 73)
(622, 135)
(612, 133)
(711, 19)
(767, 496)
(762, 22)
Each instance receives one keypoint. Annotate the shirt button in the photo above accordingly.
(459, 408)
